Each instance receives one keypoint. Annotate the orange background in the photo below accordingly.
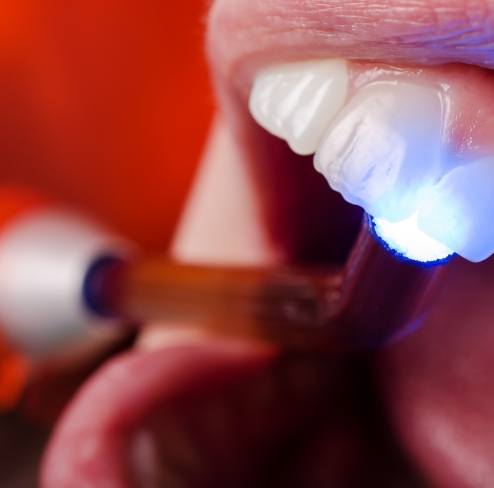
(105, 104)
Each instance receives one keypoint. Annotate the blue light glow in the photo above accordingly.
(405, 239)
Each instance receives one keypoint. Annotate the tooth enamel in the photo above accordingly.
(297, 101)
(382, 151)
(459, 214)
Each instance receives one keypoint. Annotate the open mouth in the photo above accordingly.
(400, 126)
(397, 142)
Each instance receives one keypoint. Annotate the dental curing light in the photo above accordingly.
(62, 277)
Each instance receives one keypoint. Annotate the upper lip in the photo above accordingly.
(244, 35)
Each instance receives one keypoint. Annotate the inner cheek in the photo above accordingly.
(310, 222)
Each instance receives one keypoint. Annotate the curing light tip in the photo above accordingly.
(408, 242)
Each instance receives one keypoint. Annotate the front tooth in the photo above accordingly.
(297, 101)
(459, 214)
(382, 151)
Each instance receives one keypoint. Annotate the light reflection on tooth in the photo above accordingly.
(382, 151)
(407, 240)
(460, 212)
(297, 101)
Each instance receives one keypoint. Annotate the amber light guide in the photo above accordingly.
(364, 303)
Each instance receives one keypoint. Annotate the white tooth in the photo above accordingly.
(382, 151)
(459, 212)
(297, 101)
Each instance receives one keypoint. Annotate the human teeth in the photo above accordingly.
(459, 213)
(297, 101)
(382, 151)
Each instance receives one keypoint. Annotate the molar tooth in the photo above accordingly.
(382, 151)
(459, 213)
(297, 101)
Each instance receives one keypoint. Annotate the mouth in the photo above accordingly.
(383, 96)
(400, 126)
(398, 142)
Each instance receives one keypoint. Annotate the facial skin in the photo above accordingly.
(418, 413)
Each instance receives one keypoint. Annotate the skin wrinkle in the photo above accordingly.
(394, 12)
(427, 17)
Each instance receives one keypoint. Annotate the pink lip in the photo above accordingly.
(245, 34)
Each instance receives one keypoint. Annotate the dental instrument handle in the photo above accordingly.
(65, 279)
(68, 285)
(284, 305)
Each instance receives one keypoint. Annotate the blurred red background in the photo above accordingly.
(105, 104)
